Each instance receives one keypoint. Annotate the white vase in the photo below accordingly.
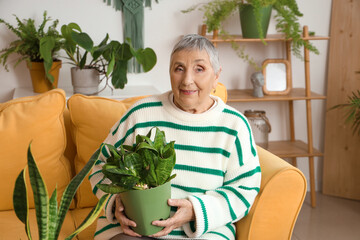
(85, 81)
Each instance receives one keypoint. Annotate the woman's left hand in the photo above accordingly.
(184, 214)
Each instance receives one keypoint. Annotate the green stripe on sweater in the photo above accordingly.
(107, 227)
(140, 106)
(206, 223)
(247, 125)
(250, 188)
(244, 175)
(202, 149)
(199, 170)
(232, 213)
(239, 151)
(178, 233)
(189, 189)
(176, 126)
(231, 228)
(220, 234)
(239, 195)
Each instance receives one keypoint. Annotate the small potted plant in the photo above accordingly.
(217, 11)
(141, 174)
(38, 47)
(109, 59)
(49, 215)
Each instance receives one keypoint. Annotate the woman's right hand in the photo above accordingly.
(123, 220)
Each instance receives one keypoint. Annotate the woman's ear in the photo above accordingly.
(216, 80)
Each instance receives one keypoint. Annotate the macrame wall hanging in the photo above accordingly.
(133, 22)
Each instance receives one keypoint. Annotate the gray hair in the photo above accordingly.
(198, 42)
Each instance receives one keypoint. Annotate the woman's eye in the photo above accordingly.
(199, 69)
(179, 68)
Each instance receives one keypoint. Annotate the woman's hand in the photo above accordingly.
(184, 214)
(123, 220)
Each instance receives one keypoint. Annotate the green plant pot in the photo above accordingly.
(248, 22)
(146, 206)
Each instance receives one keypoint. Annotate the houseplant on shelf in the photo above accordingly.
(38, 47)
(49, 215)
(217, 11)
(108, 59)
(142, 174)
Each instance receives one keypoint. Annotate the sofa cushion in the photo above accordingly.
(38, 119)
(91, 120)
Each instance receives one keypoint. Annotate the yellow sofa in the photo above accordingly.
(64, 135)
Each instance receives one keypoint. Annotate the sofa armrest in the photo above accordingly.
(275, 210)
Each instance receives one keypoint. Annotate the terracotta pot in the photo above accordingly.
(248, 21)
(85, 81)
(38, 77)
(146, 206)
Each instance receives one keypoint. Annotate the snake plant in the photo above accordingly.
(49, 215)
(145, 165)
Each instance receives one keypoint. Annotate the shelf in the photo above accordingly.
(290, 149)
(269, 38)
(245, 95)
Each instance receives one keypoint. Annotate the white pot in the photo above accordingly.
(85, 81)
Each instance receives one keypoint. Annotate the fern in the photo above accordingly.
(28, 43)
(353, 111)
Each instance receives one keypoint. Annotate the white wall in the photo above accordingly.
(164, 25)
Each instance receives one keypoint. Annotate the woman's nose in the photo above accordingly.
(188, 78)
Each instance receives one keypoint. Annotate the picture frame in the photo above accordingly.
(277, 77)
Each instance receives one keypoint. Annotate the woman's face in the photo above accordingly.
(192, 80)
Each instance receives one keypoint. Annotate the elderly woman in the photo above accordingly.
(217, 166)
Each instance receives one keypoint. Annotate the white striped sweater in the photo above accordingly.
(217, 165)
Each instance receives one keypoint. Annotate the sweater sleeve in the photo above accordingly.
(233, 200)
(115, 136)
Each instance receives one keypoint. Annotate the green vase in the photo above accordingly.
(146, 206)
(248, 22)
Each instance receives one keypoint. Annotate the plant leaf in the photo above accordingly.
(20, 200)
(112, 189)
(119, 78)
(159, 139)
(83, 40)
(147, 58)
(47, 45)
(40, 196)
(83, 61)
(53, 207)
(71, 189)
(91, 217)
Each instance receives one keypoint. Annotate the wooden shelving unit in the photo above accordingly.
(291, 148)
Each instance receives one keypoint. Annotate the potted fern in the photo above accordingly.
(109, 59)
(217, 11)
(38, 47)
(49, 215)
(141, 174)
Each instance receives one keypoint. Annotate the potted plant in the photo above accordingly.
(108, 59)
(38, 47)
(50, 216)
(217, 11)
(353, 110)
(141, 174)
